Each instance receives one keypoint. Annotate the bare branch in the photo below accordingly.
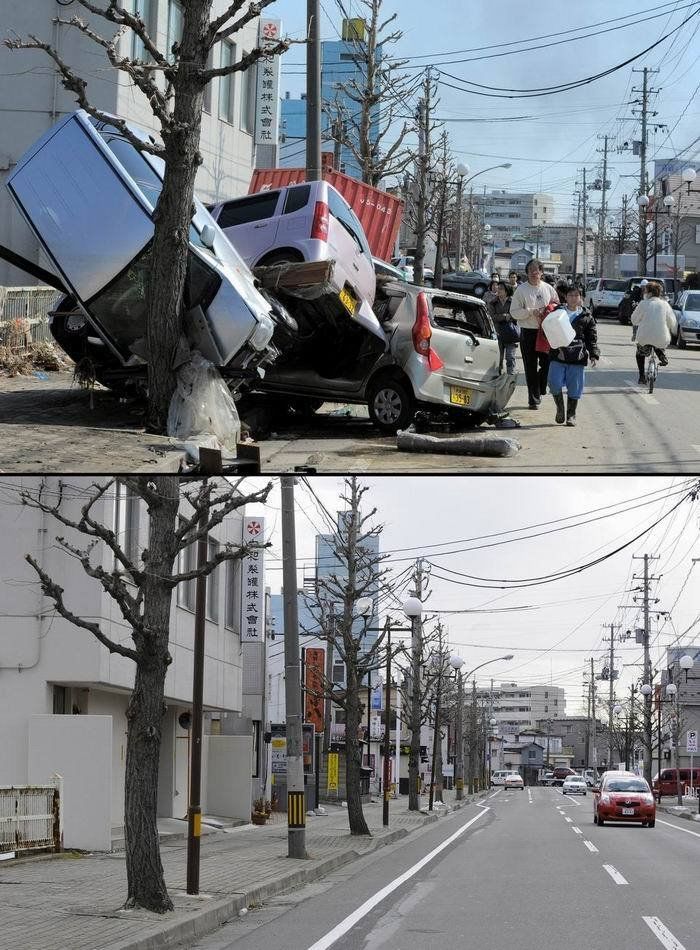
(245, 62)
(122, 17)
(55, 592)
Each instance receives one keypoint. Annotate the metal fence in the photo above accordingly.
(24, 316)
(30, 817)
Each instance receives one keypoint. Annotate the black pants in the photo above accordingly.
(536, 366)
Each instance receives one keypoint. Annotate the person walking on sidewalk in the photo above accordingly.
(528, 306)
(567, 366)
(507, 329)
(655, 322)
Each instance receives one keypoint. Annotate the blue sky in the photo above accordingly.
(561, 134)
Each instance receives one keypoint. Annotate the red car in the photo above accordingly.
(623, 796)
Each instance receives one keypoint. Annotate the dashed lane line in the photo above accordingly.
(614, 874)
(576, 830)
(566, 818)
(590, 846)
(663, 934)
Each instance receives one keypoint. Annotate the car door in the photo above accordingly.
(348, 246)
(463, 339)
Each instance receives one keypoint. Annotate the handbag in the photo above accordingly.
(509, 332)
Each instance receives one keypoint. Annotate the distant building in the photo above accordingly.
(684, 219)
(509, 213)
(518, 708)
(562, 240)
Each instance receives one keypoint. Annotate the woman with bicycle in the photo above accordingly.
(656, 323)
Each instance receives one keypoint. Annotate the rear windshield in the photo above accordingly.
(349, 220)
(461, 315)
(613, 285)
(245, 210)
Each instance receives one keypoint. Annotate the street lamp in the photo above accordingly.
(460, 751)
(668, 203)
(456, 662)
(643, 202)
(413, 608)
(688, 175)
(492, 725)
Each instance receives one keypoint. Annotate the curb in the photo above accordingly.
(218, 913)
(679, 811)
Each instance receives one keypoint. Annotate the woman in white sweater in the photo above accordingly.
(656, 323)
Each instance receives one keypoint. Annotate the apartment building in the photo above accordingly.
(509, 213)
(517, 708)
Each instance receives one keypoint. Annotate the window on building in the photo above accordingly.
(213, 583)
(248, 83)
(233, 588)
(339, 717)
(227, 58)
(146, 9)
(187, 561)
(60, 700)
(531, 754)
(126, 523)
(338, 672)
(176, 21)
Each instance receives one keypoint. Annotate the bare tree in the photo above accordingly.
(377, 98)
(142, 590)
(345, 629)
(173, 82)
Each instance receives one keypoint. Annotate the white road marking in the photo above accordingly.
(572, 801)
(345, 925)
(497, 792)
(590, 846)
(614, 874)
(529, 796)
(566, 818)
(663, 934)
(678, 828)
(577, 830)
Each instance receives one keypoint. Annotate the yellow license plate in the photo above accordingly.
(460, 396)
(348, 300)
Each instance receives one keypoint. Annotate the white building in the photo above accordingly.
(511, 212)
(64, 697)
(32, 99)
(517, 708)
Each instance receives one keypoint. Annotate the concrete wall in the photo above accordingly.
(79, 748)
(228, 785)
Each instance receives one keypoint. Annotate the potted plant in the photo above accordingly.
(260, 812)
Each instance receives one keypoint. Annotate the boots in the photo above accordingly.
(571, 411)
(559, 401)
(640, 367)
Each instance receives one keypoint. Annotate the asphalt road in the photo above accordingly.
(529, 870)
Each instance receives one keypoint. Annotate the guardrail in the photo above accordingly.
(30, 818)
(24, 316)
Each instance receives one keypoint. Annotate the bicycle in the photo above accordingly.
(652, 369)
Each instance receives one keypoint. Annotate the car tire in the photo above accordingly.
(600, 822)
(391, 404)
(652, 823)
(680, 342)
(280, 257)
(595, 818)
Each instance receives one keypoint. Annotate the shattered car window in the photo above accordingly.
(457, 315)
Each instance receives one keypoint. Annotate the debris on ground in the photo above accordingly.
(202, 411)
(472, 443)
(25, 360)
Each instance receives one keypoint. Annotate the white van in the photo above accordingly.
(499, 776)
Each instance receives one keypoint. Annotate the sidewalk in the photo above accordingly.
(74, 901)
(688, 810)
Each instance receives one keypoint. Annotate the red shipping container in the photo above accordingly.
(379, 212)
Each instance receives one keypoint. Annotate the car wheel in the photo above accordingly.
(595, 818)
(680, 342)
(391, 405)
(281, 257)
(600, 822)
(652, 823)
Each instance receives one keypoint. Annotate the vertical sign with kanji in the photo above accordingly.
(314, 705)
(253, 584)
(267, 93)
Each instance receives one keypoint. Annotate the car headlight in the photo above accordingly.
(605, 799)
(690, 324)
(262, 334)
(647, 799)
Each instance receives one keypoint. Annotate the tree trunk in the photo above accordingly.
(438, 772)
(353, 757)
(145, 880)
(171, 241)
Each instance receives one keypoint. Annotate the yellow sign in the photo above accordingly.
(348, 300)
(333, 771)
(459, 396)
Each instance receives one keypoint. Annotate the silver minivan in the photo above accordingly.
(88, 195)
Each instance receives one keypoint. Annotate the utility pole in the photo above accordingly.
(436, 729)
(459, 739)
(416, 656)
(313, 93)
(593, 753)
(328, 702)
(601, 219)
(647, 671)
(437, 270)
(632, 727)
(576, 239)
(458, 226)
(194, 811)
(423, 166)
(387, 727)
(296, 805)
(611, 694)
(643, 187)
(584, 199)
(338, 135)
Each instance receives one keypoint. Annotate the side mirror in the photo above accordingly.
(207, 236)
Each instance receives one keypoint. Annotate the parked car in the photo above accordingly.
(603, 295)
(687, 310)
(439, 353)
(88, 195)
(498, 776)
(574, 785)
(669, 781)
(467, 282)
(548, 778)
(307, 222)
(590, 776)
(514, 780)
(406, 265)
(623, 796)
(382, 269)
(560, 773)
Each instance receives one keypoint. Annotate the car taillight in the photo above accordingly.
(422, 332)
(319, 229)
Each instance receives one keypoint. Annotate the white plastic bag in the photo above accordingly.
(202, 410)
(557, 328)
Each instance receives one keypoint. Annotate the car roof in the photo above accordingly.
(414, 289)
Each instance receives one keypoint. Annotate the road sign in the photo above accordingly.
(332, 771)
(691, 741)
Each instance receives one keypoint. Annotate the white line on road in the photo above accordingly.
(590, 845)
(345, 925)
(678, 828)
(614, 874)
(497, 792)
(576, 830)
(566, 818)
(663, 933)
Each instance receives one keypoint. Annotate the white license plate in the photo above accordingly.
(628, 811)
